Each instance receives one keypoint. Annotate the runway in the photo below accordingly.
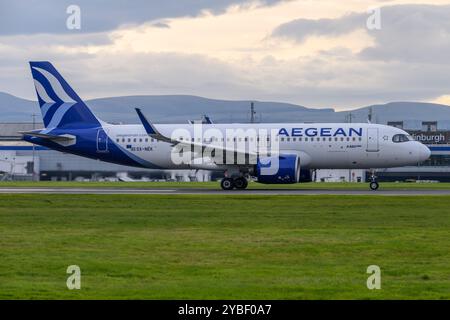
(202, 191)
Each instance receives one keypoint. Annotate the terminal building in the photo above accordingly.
(434, 134)
(20, 160)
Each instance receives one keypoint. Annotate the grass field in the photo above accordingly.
(216, 185)
(239, 247)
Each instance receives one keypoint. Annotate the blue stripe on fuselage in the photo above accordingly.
(86, 146)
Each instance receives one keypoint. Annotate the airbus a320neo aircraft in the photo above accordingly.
(273, 153)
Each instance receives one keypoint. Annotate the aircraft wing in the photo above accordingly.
(155, 134)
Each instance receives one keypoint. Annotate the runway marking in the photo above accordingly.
(196, 191)
(83, 190)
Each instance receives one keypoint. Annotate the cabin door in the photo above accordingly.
(102, 141)
(372, 140)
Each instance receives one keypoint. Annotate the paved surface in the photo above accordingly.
(175, 191)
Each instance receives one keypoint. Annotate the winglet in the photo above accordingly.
(150, 129)
(147, 125)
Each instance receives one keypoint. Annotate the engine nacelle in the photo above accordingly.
(278, 169)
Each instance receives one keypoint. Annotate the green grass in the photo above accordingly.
(230, 247)
(215, 185)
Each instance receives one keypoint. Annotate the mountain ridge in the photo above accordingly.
(181, 108)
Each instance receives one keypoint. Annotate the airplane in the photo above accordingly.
(271, 153)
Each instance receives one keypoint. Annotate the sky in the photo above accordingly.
(316, 53)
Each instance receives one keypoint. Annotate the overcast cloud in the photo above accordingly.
(49, 16)
(292, 51)
(414, 33)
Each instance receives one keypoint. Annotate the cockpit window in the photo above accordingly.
(401, 138)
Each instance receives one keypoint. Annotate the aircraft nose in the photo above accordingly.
(424, 152)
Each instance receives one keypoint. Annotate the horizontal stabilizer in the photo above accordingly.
(48, 136)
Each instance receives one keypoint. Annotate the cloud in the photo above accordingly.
(160, 24)
(338, 81)
(115, 73)
(300, 29)
(48, 16)
(318, 62)
(416, 33)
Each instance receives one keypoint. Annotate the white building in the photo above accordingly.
(339, 175)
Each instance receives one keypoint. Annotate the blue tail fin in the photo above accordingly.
(61, 107)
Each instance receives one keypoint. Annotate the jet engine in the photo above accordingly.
(280, 169)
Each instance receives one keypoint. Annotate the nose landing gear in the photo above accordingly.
(373, 182)
(374, 185)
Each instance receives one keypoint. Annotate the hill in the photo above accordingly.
(181, 108)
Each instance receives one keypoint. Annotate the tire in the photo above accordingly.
(240, 183)
(374, 185)
(227, 184)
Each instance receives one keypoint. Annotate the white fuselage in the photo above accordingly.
(319, 145)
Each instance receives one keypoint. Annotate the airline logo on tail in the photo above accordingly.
(60, 105)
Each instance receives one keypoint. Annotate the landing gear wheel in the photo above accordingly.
(374, 185)
(240, 183)
(227, 184)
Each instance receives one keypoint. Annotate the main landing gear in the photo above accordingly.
(373, 182)
(239, 183)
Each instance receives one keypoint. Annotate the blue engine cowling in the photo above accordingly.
(278, 169)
